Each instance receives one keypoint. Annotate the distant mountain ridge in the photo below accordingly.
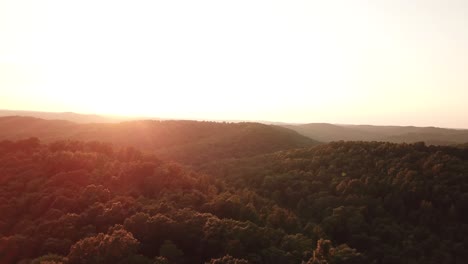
(397, 134)
(69, 116)
(322, 132)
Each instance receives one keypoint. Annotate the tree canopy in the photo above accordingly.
(342, 202)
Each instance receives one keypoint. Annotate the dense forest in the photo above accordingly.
(344, 202)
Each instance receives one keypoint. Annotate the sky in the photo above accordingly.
(392, 62)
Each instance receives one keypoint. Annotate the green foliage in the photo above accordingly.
(360, 202)
(49, 259)
(170, 251)
(383, 199)
(325, 253)
(227, 260)
(104, 248)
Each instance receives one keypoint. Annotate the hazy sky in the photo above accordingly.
(402, 62)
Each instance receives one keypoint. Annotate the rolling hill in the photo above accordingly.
(397, 134)
(183, 141)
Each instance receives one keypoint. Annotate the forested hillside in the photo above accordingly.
(343, 202)
(189, 142)
(95, 204)
(394, 203)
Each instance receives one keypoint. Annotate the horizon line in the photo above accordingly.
(125, 118)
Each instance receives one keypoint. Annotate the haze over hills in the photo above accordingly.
(323, 132)
(97, 118)
(69, 116)
(398, 134)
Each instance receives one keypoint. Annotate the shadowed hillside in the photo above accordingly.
(327, 132)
